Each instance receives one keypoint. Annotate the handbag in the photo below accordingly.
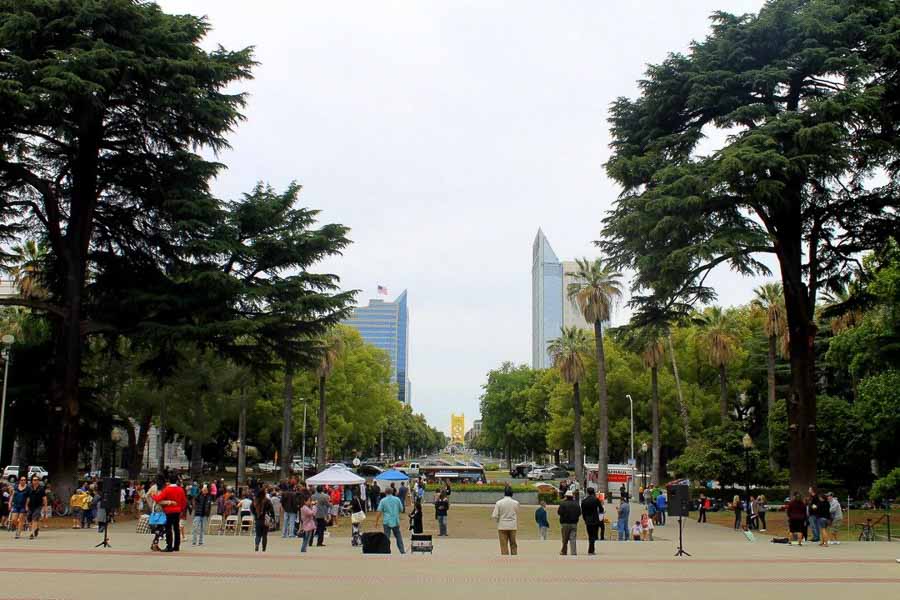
(157, 518)
(270, 522)
(358, 517)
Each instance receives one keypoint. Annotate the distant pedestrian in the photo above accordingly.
(376, 496)
(569, 513)
(812, 516)
(505, 514)
(307, 523)
(646, 528)
(202, 511)
(837, 517)
(823, 518)
(415, 517)
(738, 507)
(622, 522)
(389, 517)
(662, 506)
(592, 513)
(701, 505)
(761, 510)
(264, 519)
(796, 515)
(18, 505)
(441, 508)
(37, 505)
(357, 516)
(290, 505)
(402, 493)
(173, 501)
(540, 517)
(323, 512)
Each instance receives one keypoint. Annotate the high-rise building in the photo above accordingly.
(551, 310)
(385, 325)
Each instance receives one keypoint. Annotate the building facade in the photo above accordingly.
(385, 325)
(551, 309)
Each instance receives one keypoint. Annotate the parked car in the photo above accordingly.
(539, 474)
(11, 473)
(558, 472)
(267, 467)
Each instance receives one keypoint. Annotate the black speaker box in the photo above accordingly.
(111, 493)
(679, 500)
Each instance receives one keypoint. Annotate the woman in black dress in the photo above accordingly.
(264, 517)
(415, 517)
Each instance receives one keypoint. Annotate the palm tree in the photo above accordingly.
(27, 273)
(770, 298)
(595, 290)
(330, 350)
(720, 345)
(653, 356)
(567, 353)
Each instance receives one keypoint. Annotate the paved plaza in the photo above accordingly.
(65, 564)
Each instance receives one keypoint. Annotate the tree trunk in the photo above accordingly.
(196, 459)
(799, 304)
(321, 444)
(161, 462)
(770, 405)
(603, 405)
(287, 425)
(509, 456)
(682, 407)
(654, 417)
(556, 458)
(577, 442)
(723, 395)
(242, 440)
(137, 454)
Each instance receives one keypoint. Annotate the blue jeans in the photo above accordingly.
(813, 528)
(396, 531)
(307, 539)
(622, 527)
(198, 528)
(289, 524)
(442, 524)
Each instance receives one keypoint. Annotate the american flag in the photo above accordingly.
(382, 290)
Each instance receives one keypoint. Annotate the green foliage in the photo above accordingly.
(888, 487)
(878, 410)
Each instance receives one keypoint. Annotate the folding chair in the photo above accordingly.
(246, 523)
(215, 521)
(231, 524)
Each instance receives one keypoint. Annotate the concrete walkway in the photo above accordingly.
(65, 564)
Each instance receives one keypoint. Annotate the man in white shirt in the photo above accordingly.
(505, 514)
(837, 517)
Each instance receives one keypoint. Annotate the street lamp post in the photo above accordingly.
(644, 466)
(303, 446)
(747, 443)
(631, 412)
(7, 341)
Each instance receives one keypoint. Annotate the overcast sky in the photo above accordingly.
(444, 134)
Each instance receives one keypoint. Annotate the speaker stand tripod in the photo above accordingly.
(105, 543)
(681, 550)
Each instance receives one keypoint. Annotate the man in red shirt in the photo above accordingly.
(173, 501)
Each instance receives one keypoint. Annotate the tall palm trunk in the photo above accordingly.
(603, 405)
(682, 407)
(577, 441)
(654, 417)
(323, 418)
(242, 440)
(287, 425)
(770, 407)
(196, 459)
(723, 394)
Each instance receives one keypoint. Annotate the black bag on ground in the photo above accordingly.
(780, 540)
(375, 542)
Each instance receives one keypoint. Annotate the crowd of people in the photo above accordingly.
(25, 506)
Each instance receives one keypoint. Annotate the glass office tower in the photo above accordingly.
(546, 300)
(385, 325)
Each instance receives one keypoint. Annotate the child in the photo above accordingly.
(540, 517)
(636, 531)
(646, 528)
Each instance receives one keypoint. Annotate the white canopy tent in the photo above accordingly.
(336, 475)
